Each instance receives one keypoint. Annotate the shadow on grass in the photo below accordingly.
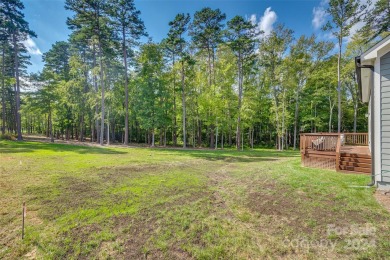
(28, 147)
(234, 155)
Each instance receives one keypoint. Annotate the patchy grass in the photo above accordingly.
(90, 202)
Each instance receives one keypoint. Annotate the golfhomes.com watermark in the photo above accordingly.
(355, 237)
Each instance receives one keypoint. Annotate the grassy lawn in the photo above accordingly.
(87, 202)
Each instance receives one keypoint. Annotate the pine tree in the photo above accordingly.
(272, 51)
(378, 19)
(344, 14)
(91, 21)
(16, 29)
(207, 32)
(176, 38)
(241, 36)
(129, 28)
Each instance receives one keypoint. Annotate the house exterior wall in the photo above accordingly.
(379, 109)
(376, 116)
(385, 118)
(369, 124)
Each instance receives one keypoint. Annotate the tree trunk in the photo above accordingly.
(296, 118)
(165, 137)
(108, 127)
(212, 137)
(81, 128)
(3, 92)
(17, 94)
(96, 90)
(339, 85)
(124, 49)
(355, 108)
(230, 142)
(216, 138)
(222, 141)
(283, 119)
(174, 132)
(331, 106)
(277, 120)
(152, 137)
(50, 126)
(199, 133)
(183, 101)
(240, 91)
(102, 97)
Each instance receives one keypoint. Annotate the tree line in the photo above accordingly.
(210, 82)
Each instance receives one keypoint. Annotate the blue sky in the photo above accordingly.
(48, 18)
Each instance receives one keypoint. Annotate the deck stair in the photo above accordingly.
(346, 152)
(355, 163)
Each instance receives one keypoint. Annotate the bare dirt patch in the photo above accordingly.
(81, 234)
(74, 193)
(296, 211)
(383, 198)
(115, 174)
(32, 254)
(7, 158)
(137, 234)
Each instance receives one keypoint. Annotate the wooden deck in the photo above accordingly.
(346, 152)
(355, 149)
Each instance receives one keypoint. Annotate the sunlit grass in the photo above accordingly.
(165, 203)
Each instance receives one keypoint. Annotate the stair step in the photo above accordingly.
(358, 160)
(355, 155)
(355, 169)
(356, 164)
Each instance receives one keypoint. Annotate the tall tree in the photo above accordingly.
(176, 38)
(305, 56)
(18, 29)
(241, 37)
(207, 31)
(272, 51)
(57, 60)
(344, 14)
(91, 20)
(355, 48)
(56, 72)
(378, 19)
(129, 28)
(151, 89)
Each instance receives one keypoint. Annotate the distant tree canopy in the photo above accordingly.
(210, 82)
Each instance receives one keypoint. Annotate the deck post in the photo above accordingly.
(303, 148)
(338, 147)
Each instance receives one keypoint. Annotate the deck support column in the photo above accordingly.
(338, 147)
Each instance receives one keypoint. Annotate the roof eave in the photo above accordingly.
(372, 53)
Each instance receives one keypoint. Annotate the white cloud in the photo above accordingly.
(253, 19)
(319, 15)
(267, 21)
(32, 47)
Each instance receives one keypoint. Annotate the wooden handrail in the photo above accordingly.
(356, 139)
(320, 134)
(325, 149)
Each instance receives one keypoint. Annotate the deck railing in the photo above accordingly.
(328, 141)
(356, 139)
(324, 149)
(319, 141)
